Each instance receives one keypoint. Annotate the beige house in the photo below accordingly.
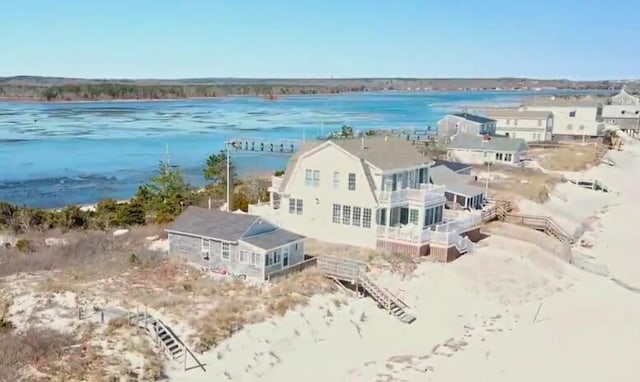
(370, 192)
(530, 125)
(574, 118)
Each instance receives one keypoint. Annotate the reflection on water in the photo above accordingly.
(53, 154)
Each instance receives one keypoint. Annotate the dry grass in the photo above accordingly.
(40, 349)
(569, 157)
(522, 182)
(399, 263)
(89, 255)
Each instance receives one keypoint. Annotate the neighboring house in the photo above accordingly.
(457, 167)
(623, 112)
(530, 125)
(573, 118)
(461, 191)
(453, 124)
(371, 192)
(477, 149)
(241, 244)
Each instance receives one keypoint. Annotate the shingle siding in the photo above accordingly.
(190, 248)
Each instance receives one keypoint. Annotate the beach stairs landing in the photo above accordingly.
(354, 272)
(163, 336)
(387, 300)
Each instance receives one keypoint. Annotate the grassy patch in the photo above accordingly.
(569, 157)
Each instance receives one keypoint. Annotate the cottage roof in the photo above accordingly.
(514, 112)
(213, 223)
(455, 183)
(475, 142)
(474, 118)
(454, 166)
(385, 153)
(272, 239)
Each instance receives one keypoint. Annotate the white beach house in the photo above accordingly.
(481, 149)
(517, 122)
(574, 118)
(371, 192)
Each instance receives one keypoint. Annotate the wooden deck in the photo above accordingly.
(502, 211)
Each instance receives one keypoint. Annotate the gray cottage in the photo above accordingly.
(239, 244)
(453, 124)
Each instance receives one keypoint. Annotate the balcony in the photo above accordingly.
(427, 193)
(276, 182)
(408, 233)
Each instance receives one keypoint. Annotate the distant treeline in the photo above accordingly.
(60, 89)
(109, 91)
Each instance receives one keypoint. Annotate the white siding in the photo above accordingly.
(583, 123)
(316, 219)
(481, 157)
(528, 129)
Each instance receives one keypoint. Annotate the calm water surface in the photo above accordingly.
(55, 154)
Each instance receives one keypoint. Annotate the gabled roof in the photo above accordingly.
(453, 166)
(455, 183)
(213, 223)
(385, 153)
(304, 148)
(272, 239)
(474, 118)
(475, 142)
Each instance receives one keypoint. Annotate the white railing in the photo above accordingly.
(276, 182)
(411, 234)
(448, 239)
(462, 222)
(426, 192)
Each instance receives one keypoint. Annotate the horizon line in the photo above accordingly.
(313, 78)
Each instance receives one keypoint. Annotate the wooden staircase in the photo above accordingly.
(355, 272)
(162, 335)
(541, 223)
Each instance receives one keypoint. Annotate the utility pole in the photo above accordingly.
(228, 177)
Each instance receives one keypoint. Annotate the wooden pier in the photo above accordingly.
(265, 145)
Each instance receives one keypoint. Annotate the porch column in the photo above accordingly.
(421, 216)
(271, 199)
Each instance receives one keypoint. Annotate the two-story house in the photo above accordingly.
(623, 112)
(574, 118)
(453, 124)
(245, 245)
(530, 125)
(371, 192)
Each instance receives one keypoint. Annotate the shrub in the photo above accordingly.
(23, 245)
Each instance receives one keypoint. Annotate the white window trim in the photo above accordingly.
(228, 258)
(206, 249)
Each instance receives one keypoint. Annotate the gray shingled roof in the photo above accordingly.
(474, 118)
(213, 223)
(384, 153)
(272, 239)
(475, 142)
(453, 182)
(454, 166)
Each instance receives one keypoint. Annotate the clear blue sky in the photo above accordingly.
(576, 39)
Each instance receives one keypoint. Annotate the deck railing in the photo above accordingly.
(312, 262)
(411, 234)
(426, 193)
(276, 182)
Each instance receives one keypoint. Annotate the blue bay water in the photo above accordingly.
(56, 154)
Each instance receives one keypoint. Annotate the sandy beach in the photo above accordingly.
(520, 307)
(511, 311)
